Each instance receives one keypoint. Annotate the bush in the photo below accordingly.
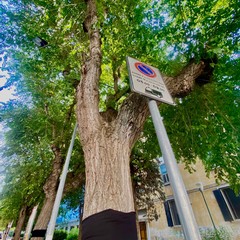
(73, 234)
(59, 235)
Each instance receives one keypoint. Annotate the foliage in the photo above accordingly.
(73, 234)
(27, 162)
(43, 113)
(72, 200)
(146, 176)
(147, 182)
(59, 235)
(198, 28)
(18, 191)
(220, 234)
(212, 127)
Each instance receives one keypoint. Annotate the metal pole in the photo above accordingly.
(6, 232)
(30, 223)
(188, 222)
(210, 215)
(52, 223)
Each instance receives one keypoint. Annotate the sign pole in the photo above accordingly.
(188, 222)
(6, 232)
(30, 223)
(52, 223)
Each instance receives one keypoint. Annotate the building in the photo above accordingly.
(69, 221)
(213, 206)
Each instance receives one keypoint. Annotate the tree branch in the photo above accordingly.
(131, 117)
(116, 77)
(183, 84)
(74, 182)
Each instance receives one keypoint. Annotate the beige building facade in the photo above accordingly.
(214, 206)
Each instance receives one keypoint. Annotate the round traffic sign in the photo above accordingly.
(146, 70)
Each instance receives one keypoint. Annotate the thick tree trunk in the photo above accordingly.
(20, 222)
(44, 215)
(107, 156)
(110, 186)
(50, 190)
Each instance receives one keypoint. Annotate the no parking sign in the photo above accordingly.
(147, 80)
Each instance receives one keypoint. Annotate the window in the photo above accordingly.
(164, 174)
(228, 202)
(171, 213)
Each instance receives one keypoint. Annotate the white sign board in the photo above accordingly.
(147, 81)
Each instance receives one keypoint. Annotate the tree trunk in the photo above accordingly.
(20, 222)
(107, 147)
(50, 190)
(107, 140)
(110, 186)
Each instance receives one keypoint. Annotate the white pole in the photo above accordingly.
(6, 232)
(30, 223)
(52, 223)
(188, 222)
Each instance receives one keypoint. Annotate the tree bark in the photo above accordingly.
(184, 83)
(20, 222)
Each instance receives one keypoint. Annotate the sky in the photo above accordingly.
(5, 94)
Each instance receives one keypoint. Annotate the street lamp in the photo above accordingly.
(200, 188)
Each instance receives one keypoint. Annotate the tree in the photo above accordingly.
(109, 189)
(24, 165)
(29, 167)
(97, 133)
(18, 195)
(179, 38)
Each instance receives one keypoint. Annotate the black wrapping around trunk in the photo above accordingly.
(110, 225)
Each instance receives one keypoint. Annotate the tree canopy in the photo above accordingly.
(44, 45)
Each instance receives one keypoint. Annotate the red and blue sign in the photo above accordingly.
(146, 70)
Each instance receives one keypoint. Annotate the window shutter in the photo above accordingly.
(168, 214)
(223, 206)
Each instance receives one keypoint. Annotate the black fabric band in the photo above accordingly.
(39, 233)
(110, 225)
